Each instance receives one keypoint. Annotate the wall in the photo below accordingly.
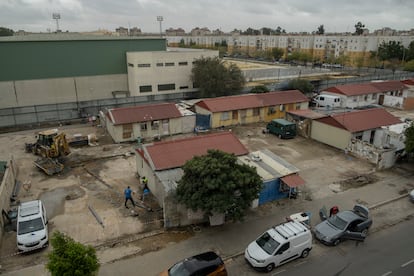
(393, 101)
(335, 137)
(6, 190)
(382, 158)
(61, 90)
(153, 74)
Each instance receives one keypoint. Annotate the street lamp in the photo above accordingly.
(160, 19)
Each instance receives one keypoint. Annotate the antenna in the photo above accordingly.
(56, 16)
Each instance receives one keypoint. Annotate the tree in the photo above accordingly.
(71, 258)
(409, 66)
(6, 32)
(217, 183)
(409, 52)
(302, 85)
(359, 28)
(259, 89)
(214, 79)
(321, 30)
(390, 50)
(277, 53)
(409, 139)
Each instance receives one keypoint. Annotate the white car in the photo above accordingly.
(32, 232)
(279, 245)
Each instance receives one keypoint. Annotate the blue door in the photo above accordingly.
(271, 191)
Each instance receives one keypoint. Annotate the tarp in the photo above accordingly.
(293, 180)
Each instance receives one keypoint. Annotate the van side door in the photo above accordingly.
(285, 253)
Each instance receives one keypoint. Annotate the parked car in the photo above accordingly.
(411, 195)
(32, 232)
(350, 224)
(279, 245)
(208, 263)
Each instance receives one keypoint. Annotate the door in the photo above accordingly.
(285, 253)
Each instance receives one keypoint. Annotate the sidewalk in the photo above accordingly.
(230, 240)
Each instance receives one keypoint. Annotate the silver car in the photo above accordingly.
(350, 224)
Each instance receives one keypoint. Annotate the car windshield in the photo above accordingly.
(337, 222)
(30, 226)
(178, 270)
(267, 243)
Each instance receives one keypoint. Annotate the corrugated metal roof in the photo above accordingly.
(143, 113)
(174, 154)
(268, 165)
(306, 113)
(239, 102)
(293, 180)
(362, 119)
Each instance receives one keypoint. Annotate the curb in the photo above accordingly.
(379, 204)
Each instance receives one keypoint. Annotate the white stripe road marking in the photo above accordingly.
(386, 274)
(407, 263)
(301, 263)
(280, 271)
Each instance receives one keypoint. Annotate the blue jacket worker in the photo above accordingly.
(128, 196)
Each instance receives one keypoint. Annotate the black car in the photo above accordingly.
(351, 224)
(208, 263)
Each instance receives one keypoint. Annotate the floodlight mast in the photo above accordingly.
(56, 16)
(160, 19)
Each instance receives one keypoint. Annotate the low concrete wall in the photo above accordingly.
(6, 190)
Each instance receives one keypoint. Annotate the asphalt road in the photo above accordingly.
(385, 253)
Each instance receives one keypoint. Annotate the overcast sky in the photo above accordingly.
(227, 15)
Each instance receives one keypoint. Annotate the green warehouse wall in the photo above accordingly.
(25, 60)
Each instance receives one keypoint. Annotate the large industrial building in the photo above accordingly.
(57, 77)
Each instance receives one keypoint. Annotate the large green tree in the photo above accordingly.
(321, 30)
(214, 79)
(302, 85)
(409, 139)
(217, 183)
(71, 258)
(359, 28)
(391, 50)
(6, 32)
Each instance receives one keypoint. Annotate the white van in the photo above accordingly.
(279, 245)
(32, 232)
(327, 100)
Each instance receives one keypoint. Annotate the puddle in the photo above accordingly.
(54, 200)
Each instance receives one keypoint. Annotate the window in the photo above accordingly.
(160, 64)
(143, 126)
(126, 131)
(256, 111)
(145, 88)
(298, 106)
(169, 64)
(155, 125)
(365, 97)
(182, 63)
(283, 248)
(184, 87)
(235, 115)
(225, 116)
(141, 65)
(130, 65)
(164, 87)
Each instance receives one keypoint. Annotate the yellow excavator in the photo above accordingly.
(50, 146)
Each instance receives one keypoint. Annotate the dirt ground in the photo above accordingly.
(95, 177)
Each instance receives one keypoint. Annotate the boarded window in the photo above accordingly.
(164, 87)
(126, 131)
(145, 88)
(256, 111)
(225, 116)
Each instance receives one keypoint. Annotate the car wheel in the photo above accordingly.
(270, 267)
(365, 231)
(336, 242)
(305, 253)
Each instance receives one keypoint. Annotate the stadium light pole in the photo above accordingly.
(56, 16)
(160, 19)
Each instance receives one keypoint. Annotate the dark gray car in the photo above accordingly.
(350, 224)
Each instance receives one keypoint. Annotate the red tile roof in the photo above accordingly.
(366, 88)
(229, 103)
(143, 113)
(353, 89)
(408, 82)
(361, 120)
(174, 154)
(385, 86)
